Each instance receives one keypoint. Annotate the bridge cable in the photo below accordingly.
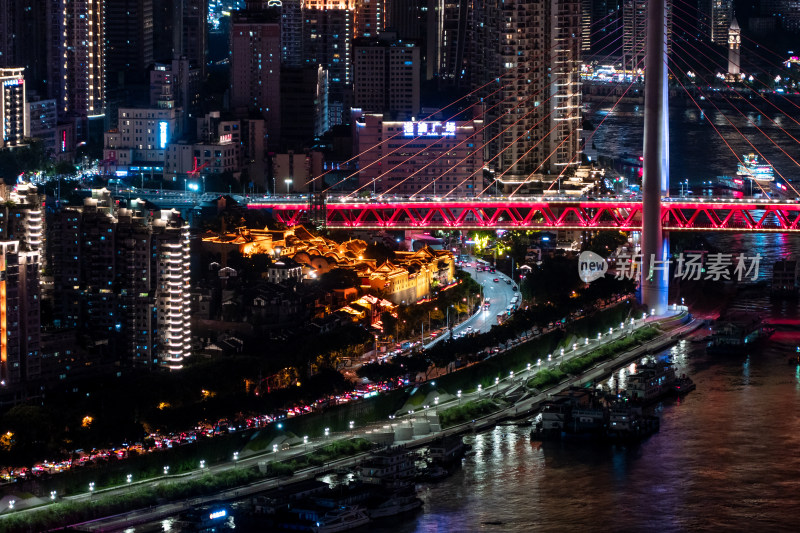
(712, 124)
(737, 129)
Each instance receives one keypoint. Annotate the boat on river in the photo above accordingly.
(737, 334)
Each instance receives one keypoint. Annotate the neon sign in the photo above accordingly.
(163, 128)
(429, 129)
(217, 514)
(226, 138)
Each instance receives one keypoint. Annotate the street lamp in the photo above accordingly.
(288, 182)
(275, 449)
(91, 487)
(166, 470)
(327, 432)
(480, 389)
(436, 401)
(538, 362)
(459, 396)
(53, 495)
(235, 458)
(305, 442)
(497, 384)
(202, 464)
(129, 479)
(352, 425)
(11, 504)
(511, 376)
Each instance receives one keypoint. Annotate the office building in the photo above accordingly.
(430, 157)
(370, 17)
(304, 104)
(141, 137)
(13, 107)
(386, 77)
(57, 136)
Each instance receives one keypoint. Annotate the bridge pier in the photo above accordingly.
(655, 179)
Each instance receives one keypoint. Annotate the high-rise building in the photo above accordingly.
(84, 84)
(32, 36)
(532, 48)
(450, 36)
(20, 293)
(304, 104)
(605, 20)
(370, 17)
(256, 65)
(634, 33)
(129, 41)
(13, 107)
(292, 33)
(715, 18)
(180, 29)
(328, 27)
(386, 77)
(431, 156)
(121, 277)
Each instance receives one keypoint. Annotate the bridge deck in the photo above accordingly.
(749, 215)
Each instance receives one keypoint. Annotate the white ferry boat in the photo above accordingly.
(751, 168)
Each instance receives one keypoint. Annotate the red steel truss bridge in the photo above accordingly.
(677, 214)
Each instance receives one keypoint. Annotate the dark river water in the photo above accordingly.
(697, 152)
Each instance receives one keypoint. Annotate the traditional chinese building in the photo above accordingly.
(407, 278)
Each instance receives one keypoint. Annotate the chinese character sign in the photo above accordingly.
(692, 266)
(429, 129)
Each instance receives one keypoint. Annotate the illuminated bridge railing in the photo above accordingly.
(499, 213)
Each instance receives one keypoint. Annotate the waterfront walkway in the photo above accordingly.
(678, 324)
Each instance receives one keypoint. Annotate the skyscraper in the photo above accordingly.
(20, 263)
(129, 40)
(370, 17)
(256, 65)
(532, 47)
(328, 27)
(386, 77)
(634, 31)
(715, 19)
(84, 84)
(180, 29)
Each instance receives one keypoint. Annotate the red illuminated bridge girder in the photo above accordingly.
(537, 213)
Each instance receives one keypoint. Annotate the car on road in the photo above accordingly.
(508, 282)
(496, 280)
(514, 288)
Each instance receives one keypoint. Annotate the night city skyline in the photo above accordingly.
(399, 265)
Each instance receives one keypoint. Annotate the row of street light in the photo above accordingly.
(459, 394)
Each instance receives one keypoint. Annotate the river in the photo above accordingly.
(697, 152)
